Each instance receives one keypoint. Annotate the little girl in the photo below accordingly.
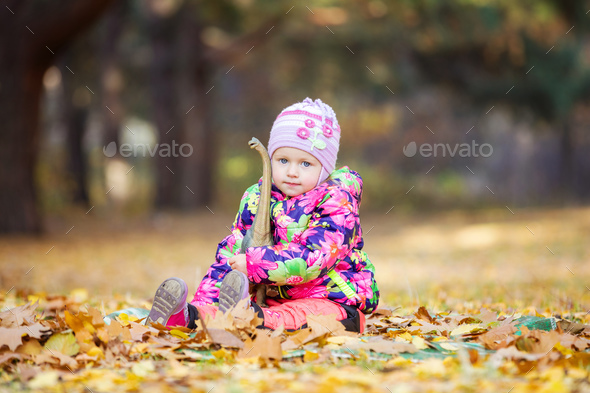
(317, 265)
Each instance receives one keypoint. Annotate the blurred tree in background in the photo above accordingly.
(209, 75)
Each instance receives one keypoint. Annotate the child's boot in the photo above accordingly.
(170, 307)
(234, 288)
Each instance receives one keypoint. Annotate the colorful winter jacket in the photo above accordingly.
(318, 246)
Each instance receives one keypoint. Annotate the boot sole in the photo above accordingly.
(169, 295)
(234, 288)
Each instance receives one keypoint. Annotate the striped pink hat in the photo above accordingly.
(310, 126)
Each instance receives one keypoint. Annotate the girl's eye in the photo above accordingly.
(283, 160)
(306, 164)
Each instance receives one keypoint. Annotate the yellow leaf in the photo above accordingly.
(406, 337)
(179, 334)
(564, 350)
(36, 298)
(139, 348)
(223, 354)
(96, 351)
(466, 329)
(419, 342)
(64, 343)
(310, 356)
(31, 347)
(397, 320)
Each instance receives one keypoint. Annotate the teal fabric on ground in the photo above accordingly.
(137, 312)
(536, 323)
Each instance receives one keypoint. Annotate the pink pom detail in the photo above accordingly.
(294, 280)
(309, 123)
(327, 131)
(303, 133)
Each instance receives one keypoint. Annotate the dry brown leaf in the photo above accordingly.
(8, 356)
(486, 316)
(224, 338)
(380, 345)
(537, 341)
(296, 340)
(423, 314)
(512, 353)
(138, 331)
(55, 358)
(573, 342)
(12, 337)
(18, 316)
(380, 313)
(496, 338)
(322, 325)
(115, 329)
(572, 327)
(263, 346)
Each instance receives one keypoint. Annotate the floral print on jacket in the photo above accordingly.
(314, 233)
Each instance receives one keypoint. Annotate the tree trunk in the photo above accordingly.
(31, 33)
(567, 166)
(74, 116)
(111, 78)
(163, 32)
(196, 178)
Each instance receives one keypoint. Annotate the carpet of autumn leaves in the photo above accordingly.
(454, 288)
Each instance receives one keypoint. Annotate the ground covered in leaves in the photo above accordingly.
(470, 304)
(60, 344)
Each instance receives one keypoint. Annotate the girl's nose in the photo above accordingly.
(292, 171)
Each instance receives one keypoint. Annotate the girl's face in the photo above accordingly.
(294, 171)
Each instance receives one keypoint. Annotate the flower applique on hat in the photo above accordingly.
(310, 126)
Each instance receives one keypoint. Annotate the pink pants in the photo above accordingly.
(292, 314)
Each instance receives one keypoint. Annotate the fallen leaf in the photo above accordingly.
(13, 337)
(423, 314)
(309, 356)
(572, 327)
(18, 316)
(224, 338)
(8, 356)
(470, 328)
(30, 347)
(179, 334)
(380, 345)
(65, 343)
(419, 342)
(263, 346)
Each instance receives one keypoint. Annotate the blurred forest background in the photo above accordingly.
(76, 76)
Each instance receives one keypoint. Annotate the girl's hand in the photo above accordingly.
(238, 262)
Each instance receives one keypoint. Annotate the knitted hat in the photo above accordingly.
(310, 126)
